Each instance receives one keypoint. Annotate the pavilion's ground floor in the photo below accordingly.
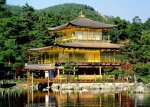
(81, 79)
(84, 73)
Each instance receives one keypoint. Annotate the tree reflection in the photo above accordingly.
(66, 98)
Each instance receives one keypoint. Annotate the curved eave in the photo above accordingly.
(93, 27)
(88, 23)
(90, 45)
(58, 27)
(83, 22)
(40, 49)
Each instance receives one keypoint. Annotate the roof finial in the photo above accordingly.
(81, 13)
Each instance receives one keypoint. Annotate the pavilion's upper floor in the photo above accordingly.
(82, 29)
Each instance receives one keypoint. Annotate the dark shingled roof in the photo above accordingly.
(91, 45)
(84, 45)
(84, 22)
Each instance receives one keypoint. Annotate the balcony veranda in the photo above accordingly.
(81, 79)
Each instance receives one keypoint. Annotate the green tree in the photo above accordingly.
(29, 16)
(4, 12)
(2, 2)
(142, 69)
(138, 54)
(136, 30)
(146, 25)
(145, 46)
(120, 33)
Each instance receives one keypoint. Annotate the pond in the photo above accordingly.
(68, 98)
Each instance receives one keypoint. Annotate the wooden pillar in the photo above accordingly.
(48, 82)
(49, 58)
(74, 59)
(28, 77)
(58, 74)
(84, 72)
(108, 38)
(32, 79)
(63, 55)
(108, 55)
(45, 59)
(74, 73)
(100, 72)
(105, 59)
(41, 59)
(114, 59)
(94, 75)
(47, 76)
(63, 72)
(99, 55)
(94, 57)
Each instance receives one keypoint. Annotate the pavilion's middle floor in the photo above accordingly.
(61, 55)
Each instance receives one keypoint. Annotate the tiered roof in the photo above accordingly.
(85, 23)
(91, 45)
(85, 45)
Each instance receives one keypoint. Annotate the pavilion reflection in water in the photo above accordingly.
(30, 98)
(79, 99)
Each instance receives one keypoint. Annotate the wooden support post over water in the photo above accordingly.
(48, 80)
(47, 73)
(28, 77)
(100, 72)
(58, 75)
(74, 72)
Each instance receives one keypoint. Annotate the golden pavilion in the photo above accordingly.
(82, 41)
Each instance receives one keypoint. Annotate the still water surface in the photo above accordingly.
(29, 98)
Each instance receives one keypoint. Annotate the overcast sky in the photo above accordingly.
(125, 9)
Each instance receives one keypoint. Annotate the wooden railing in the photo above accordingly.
(74, 79)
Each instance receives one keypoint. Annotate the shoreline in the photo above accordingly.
(93, 86)
(103, 87)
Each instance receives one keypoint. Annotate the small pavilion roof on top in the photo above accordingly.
(82, 22)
